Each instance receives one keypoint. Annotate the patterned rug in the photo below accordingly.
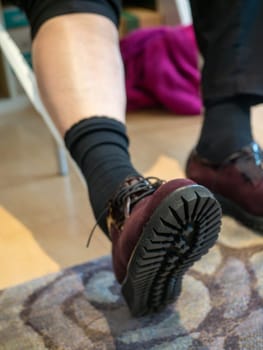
(221, 306)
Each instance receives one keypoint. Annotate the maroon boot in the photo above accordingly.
(158, 231)
(237, 183)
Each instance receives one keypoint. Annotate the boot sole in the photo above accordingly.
(180, 231)
(231, 209)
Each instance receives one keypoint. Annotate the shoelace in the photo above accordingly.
(124, 195)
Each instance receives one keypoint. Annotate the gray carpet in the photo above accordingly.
(221, 306)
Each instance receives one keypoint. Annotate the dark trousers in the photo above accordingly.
(229, 34)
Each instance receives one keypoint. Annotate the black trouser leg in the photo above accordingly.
(229, 36)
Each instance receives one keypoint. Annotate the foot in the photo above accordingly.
(158, 231)
(237, 183)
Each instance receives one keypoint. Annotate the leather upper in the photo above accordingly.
(126, 235)
(239, 178)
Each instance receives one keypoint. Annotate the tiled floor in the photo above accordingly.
(45, 219)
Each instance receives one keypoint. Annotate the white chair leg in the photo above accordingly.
(184, 11)
(63, 161)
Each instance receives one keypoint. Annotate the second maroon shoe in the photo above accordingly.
(237, 183)
(158, 230)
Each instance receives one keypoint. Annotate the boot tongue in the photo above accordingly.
(130, 192)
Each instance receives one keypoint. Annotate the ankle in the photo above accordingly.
(226, 129)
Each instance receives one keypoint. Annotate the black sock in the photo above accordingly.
(99, 145)
(226, 129)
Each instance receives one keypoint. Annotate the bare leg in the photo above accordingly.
(79, 69)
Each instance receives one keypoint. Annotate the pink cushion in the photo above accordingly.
(162, 70)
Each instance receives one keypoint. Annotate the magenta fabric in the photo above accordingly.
(162, 70)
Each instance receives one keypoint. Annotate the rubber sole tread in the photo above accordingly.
(180, 231)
